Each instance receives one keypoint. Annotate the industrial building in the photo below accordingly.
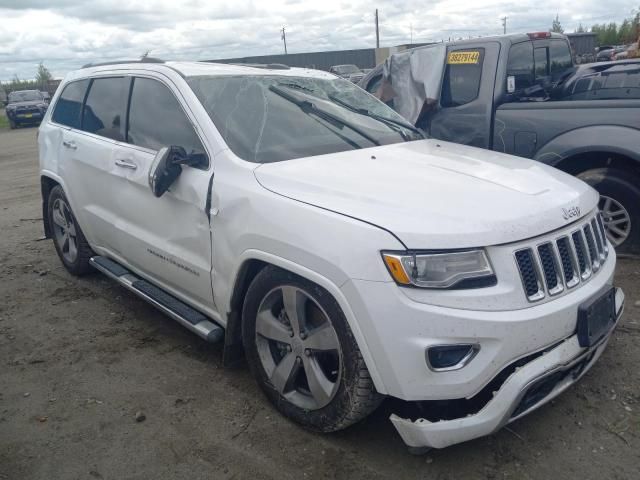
(363, 57)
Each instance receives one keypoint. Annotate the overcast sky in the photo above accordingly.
(65, 34)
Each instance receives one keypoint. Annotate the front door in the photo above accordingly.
(166, 239)
(466, 99)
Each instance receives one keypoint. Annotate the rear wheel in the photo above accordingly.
(72, 247)
(620, 205)
(303, 354)
(12, 124)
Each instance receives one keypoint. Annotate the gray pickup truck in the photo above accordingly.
(522, 94)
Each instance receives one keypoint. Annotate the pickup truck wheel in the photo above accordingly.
(72, 247)
(303, 354)
(620, 206)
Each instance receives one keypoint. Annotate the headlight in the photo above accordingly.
(455, 270)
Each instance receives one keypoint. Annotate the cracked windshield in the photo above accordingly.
(272, 118)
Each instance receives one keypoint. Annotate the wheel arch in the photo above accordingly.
(602, 146)
(589, 160)
(46, 185)
(250, 264)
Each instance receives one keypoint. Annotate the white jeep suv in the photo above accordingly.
(301, 221)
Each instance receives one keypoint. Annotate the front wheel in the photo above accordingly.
(303, 354)
(620, 205)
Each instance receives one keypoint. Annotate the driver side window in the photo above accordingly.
(157, 120)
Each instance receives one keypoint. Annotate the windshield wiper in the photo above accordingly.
(311, 108)
(387, 121)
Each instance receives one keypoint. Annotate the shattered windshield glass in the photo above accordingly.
(266, 118)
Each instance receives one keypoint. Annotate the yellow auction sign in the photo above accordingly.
(460, 57)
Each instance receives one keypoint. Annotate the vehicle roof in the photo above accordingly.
(511, 37)
(194, 69)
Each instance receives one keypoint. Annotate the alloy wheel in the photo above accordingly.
(298, 347)
(616, 218)
(64, 229)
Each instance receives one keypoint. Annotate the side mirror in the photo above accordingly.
(167, 167)
(164, 169)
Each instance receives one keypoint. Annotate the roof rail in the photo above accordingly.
(267, 66)
(119, 62)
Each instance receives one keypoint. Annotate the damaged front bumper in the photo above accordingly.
(528, 388)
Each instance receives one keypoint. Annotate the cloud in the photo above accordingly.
(65, 34)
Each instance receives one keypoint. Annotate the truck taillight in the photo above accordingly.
(539, 35)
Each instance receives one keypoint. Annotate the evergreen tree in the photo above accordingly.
(556, 26)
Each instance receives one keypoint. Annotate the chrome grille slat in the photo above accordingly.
(563, 262)
(591, 247)
(599, 240)
(603, 234)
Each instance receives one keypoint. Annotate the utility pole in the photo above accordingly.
(283, 36)
(411, 37)
(377, 31)
(504, 25)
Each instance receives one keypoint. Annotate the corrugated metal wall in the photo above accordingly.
(363, 58)
(582, 42)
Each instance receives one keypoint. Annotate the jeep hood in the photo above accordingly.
(434, 194)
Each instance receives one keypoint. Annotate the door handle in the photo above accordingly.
(70, 144)
(126, 164)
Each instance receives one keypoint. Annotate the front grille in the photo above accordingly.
(29, 109)
(563, 262)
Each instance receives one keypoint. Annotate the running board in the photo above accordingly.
(168, 304)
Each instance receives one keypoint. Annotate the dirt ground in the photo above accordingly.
(79, 358)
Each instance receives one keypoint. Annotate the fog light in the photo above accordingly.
(450, 357)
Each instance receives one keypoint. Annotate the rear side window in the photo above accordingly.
(520, 65)
(560, 57)
(462, 75)
(69, 105)
(106, 107)
(157, 120)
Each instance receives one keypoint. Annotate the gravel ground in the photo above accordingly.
(81, 359)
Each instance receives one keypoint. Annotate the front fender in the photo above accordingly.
(599, 138)
(334, 290)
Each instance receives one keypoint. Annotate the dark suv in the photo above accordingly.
(25, 107)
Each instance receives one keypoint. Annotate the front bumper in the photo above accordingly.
(549, 374)
(21, 118)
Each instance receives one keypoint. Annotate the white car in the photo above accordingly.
(297, 217)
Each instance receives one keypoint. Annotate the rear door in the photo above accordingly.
(466, 99)
(533, 69)
(82, 164)
(91, 167)
(166, 239)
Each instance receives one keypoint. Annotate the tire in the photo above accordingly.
(67, 233)
(619, 197)
(12, 124)
(353, 394)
